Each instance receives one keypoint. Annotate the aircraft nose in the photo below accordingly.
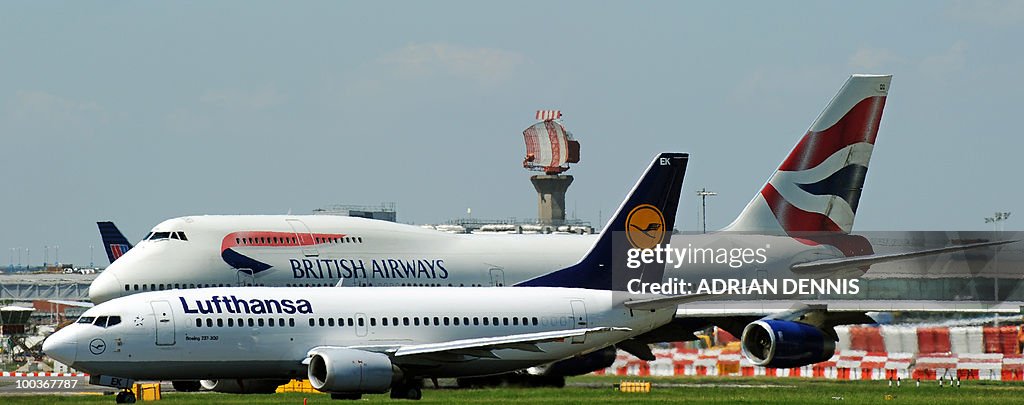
(62, 346)
(104, 288)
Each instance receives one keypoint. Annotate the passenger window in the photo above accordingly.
(291, 322)
(209, 322)
(384, 321)
(535, 321)
(330, 321)
(231, 322)
(416, 321)
(321, 321)
(311, 322)
(394, 321)
(199, 323)
(220, 322)
(455, 320)
(405, 321)
(251, 323)
(437, 321)
(515, 322)
(260, 322)
(361, 322)
(373, 321)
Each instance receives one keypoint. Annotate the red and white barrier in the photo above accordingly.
(864, 353)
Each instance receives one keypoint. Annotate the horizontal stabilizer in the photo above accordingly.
(845, 263)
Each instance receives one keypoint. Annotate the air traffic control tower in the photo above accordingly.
(550, 148)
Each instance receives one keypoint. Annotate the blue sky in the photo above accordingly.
(141, 111)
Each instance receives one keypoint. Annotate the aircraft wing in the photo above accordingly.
(82, 304)
(483, 347)
(664, 301)
(832, 265)
(525, 341)
(760, 308)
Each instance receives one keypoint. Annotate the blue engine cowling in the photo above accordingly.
(785, 344)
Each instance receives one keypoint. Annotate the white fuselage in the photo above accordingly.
(285, 251)
(189, 334)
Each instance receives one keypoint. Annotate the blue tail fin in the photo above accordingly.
(113, 240)
(644, 220)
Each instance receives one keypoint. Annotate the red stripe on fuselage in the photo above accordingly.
(276, 239)
(860, 124)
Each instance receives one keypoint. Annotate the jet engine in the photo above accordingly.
(785, 344)
(339, 370)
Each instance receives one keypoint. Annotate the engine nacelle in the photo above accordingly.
(785, 344)
(339, 370)
(243, 386)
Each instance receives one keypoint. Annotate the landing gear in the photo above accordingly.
(347, 396)
(125, 397)
(408, 389)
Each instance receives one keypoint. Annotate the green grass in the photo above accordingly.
(594, 389)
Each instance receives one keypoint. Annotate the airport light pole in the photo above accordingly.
(704, 194)
(56, 255)
(997, 221)
(90, 257)
(46, 255)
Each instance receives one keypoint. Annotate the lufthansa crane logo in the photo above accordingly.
(97, 346)
(645, 226)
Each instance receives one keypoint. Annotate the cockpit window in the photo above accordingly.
(86, 319)
(113, 320)
(101, 322)
(166, 235)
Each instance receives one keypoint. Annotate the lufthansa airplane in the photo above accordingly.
(373, 340)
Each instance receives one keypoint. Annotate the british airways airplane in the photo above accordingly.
(373, 340)
(816, 189)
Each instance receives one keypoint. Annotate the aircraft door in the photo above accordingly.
(497, 277)
(360, 324)
(579, 315)
(245, 278)
(305, 236)
(164, 323)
